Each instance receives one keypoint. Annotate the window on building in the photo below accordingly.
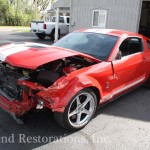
(99, 18)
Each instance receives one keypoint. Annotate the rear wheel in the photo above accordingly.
(41, 35)
(79, 111)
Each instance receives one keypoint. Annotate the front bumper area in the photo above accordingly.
(28, 102)
(11, 106)
(30, 99)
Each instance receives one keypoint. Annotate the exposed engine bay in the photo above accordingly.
(44, 75)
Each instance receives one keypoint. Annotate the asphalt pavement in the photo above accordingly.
(121, 125)
(12, 36)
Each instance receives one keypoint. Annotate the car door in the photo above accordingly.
(62, 25)
(129, 71)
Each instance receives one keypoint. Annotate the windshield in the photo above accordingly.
(94, 44)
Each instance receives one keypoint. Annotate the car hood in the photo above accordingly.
(33, 55)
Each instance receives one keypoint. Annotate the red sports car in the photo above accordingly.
(83, 70)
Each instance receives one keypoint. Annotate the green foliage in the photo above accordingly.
(42, 4)
(17, 14)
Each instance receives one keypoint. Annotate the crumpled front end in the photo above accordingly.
(17, 94)
(22, 89)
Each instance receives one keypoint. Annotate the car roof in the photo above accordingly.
(114, 32)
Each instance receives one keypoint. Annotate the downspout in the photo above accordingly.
(139, 16)
(56, 23)
(71, 6)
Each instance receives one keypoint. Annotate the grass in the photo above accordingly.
(14, 26)
(17, 28)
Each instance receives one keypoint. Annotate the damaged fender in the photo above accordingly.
(58, 95)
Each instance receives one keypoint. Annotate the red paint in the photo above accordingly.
(69, 69)
(34, 58)
(111, 78)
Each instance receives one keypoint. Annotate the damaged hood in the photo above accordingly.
(33, 55)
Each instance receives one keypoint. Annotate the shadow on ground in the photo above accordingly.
(134, 105)
(41, 127)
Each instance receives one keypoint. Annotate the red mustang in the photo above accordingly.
(84, 69)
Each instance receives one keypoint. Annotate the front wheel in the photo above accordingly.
(79, 111)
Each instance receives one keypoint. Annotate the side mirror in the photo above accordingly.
(119, 55)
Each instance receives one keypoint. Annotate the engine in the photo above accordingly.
(44, 75)
(8, 83)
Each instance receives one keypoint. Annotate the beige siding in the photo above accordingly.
(122, 14)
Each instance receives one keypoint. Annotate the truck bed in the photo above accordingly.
(37, 26)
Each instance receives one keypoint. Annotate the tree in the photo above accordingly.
(14, 13)
(4, 9)
(43, 4)
(20, 12)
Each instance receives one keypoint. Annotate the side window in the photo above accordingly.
(131, 46)
(61, 19)
(68, 20)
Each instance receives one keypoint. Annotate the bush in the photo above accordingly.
(15, 15)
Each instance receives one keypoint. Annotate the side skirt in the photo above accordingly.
(116, 98)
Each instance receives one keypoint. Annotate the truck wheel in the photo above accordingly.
(79, 111)
(41, 35)
(53, 34)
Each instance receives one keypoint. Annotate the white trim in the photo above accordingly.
(4, 47)
(11, 51)
(109, 96)
(128, 86)
(34, 44)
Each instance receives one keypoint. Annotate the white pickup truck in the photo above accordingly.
(43, 29)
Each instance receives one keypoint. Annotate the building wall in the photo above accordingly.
(62, 3)
(122, 14)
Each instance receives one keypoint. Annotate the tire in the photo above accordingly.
(52, 36)
(41, 35)
(147, 83)
(79, 111)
